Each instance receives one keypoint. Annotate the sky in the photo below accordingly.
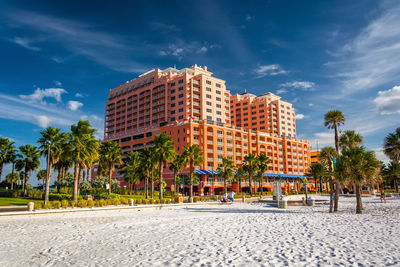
(58, 59)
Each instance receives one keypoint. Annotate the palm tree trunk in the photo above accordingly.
(75, 191)
(315, 182)
(152, 182)
(174, 183)
(359, 200)
(261, 184)
(46, 197)
(396, 185)
(12, 185)
(109, 181)
(1, 169)
(330, 189)
(225, 187)
(320, 185)
(336, 204)
(160, 180)
(146, 186)
(25, 180)
(80, 179)
(250, 183)
(191, 182)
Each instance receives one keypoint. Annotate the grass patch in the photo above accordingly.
(11, 201)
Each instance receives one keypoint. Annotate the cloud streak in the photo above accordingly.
(269, 70)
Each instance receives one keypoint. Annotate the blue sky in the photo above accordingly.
(59, 58)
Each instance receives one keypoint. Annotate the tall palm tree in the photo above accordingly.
(250, 167)
(146, 166)
(41, 176)
(349, 139)
(227, 171)
(12, 178)
(327, 156)
(164, 151)
(7, 152)
(50, 145)
(359, 166)
(391, 148)
(317, 171)
(262, 164)
(240, 173)
(193, 156)
(176, 166)
(110, 155)
(130, 168)
(27, 161)
(83, 145)
(333, 119)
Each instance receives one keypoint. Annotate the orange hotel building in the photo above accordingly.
(194, 107)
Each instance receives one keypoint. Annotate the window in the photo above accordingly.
(219, 119)
(245, 114)
(180, 103)
(218, 99)
(181, 117)
(218, 85)
(246, 124)
(180, 81)
(208, 96)
(245, 119)
(208, 82)
(181, 110)
(218, 92)
(219, 112)
(180, 88)
(172, 91)
(246, 108)
(262, 122)
(173, 98)
(254, 123)
(245, 103)
(181, 95)
(254, 112)
(172, 112)
(261, 111)
(261, 106)
(209, 110)
(262, 116)
(209, 118)
(208, 89)
(254, 118)
(172, 84)
(218, 105)
(262, 128)
(173, 118)
(208, 103)
(172, 105)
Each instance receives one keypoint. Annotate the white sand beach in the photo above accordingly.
(209, 235)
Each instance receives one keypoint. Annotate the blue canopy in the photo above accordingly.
(283, 175)
(207, 172)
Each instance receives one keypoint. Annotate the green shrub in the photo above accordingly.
(38, 206)
(196, 199)
(102, 203)
(64, 203)
(151, 201)
(125, 201)
(60, 197)
(90, 203)
(56, 204)
(116, 202)
(165, 200)
(82, 203)
(157, 201)
(47, 206)
(109, 202)
(72, 204)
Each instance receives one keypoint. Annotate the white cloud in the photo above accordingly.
(372, 58)
(249, 17)
(322, 139)
(202, 50)
(310, 104)
(74, 105)
(42, 121)
(58, 83)
(281, 91)
(299, 84)
(299, 116)
(26, 43)
(40, 94)
(79, 95)
(380, 155)
(388, 102)
(269, 70)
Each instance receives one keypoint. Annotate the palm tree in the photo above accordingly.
(392, 172)
(51, 145)
(176, 166)
(130, 168)
(110, 155)
(12, 178)
(250, 167)
(262, 162)
(333, 119)
(146, 166)
(42, 175)
(153, 159)
(83, 145)
(7, 152)
(327, 156)
(164, 151)
(28, 161)
(193, 156)
(317, 171)
(349, 139)
(391, 148)
(240, 172)
(227, 171)
(360, 167)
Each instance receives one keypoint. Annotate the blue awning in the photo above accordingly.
(207, 172)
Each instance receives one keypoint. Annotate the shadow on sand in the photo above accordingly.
(268, 209)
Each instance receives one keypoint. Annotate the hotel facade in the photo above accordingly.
(194, 107)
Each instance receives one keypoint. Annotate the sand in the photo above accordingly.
(224, 235)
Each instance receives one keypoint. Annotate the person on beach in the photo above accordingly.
(225, 198)
(383, 197)
(232, 196)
